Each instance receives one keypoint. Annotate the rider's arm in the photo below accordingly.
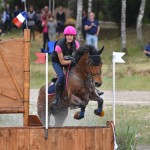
(61, 56)
(77, 44)
(61, 59)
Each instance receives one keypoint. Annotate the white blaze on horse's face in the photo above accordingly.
(96, 74)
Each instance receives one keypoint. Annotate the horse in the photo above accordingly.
(81, 83)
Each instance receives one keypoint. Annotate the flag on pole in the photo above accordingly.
(20, 18)
(117, 57)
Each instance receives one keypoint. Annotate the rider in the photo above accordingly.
(64, 47)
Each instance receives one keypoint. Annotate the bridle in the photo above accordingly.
(87, 73)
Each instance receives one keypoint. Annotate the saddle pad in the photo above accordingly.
(51, 88)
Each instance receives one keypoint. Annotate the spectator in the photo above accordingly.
(84, 20)
(38, 21)
(31, 22)
(3, 22)
(92, 30)
(147, 50)
(61, 18)
(16, 11)
(46, 12)
(8, 18)
(45, 31)
(52, 29)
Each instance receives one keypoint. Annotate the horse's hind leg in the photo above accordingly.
(60, 116)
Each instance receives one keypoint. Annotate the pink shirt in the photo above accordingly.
(58, 48)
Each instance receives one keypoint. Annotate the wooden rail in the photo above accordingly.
(61, 138)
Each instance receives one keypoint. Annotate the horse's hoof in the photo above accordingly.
(78, 115)
(101, 114)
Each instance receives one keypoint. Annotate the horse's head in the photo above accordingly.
(91, 63)
(95, 65)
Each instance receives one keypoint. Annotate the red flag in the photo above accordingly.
(40, 58)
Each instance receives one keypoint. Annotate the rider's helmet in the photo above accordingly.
(70, 30)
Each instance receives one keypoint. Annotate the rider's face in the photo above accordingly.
(69, 38)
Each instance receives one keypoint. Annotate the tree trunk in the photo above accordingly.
(3, 2)
(89, 6)
(139, 21)
(72, 7)
(79, 21)
(123, 26)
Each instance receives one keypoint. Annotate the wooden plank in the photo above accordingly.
(8, 139)
(12, 76)
(26, 98)
(23, 139)
(27, 50)
(37, 139)
(79, 139)
(11, 110)
(68, 139)
(55, 139)
(107, 139)
(98, 138)
(90, 139)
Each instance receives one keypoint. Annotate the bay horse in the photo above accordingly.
(80, 88)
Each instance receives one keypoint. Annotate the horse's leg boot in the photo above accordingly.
(58, 95)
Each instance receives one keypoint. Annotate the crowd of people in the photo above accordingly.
(41, 20)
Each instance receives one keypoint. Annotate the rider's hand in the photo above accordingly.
(73, 61)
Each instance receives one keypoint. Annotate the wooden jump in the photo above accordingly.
(15, 76)
(60, 138)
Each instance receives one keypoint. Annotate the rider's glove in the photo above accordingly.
(73, 61)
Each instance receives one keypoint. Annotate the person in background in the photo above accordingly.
(52, 24)
(61, 18)
(45, 31)
(16, 11)
(38, 21)
(31, 22)
(92, 30)
(64, 47)
(84, 20)
(8, 18)
(46, 12)
(3, 22)
(147, 50)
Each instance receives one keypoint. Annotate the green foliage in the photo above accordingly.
(126, 136)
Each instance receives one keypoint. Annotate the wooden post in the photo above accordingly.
(26, 75)
(109, 124)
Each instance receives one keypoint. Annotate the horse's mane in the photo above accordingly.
(85, 49)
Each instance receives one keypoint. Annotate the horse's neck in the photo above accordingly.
(80, 68)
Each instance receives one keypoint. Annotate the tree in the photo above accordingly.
(139, 21)
(79, 20)
(89, 6)
(123, 26)
(72, 7)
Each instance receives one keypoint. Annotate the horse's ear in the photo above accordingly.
(101, 50)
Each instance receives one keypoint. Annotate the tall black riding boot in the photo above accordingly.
(58, 94)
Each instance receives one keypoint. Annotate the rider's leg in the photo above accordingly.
(59, 84)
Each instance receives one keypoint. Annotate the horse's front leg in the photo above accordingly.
(99, 111)
(95, 97)
(81, 104)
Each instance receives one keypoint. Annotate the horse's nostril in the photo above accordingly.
(98, 84)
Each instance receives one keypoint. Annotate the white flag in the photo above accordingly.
(117, 57)
(22, 0)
